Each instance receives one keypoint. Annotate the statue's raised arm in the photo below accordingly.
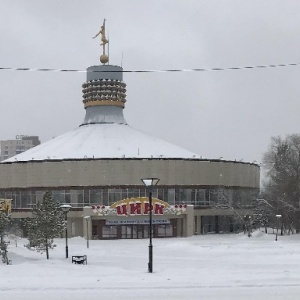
(102, 31)
(104, 40)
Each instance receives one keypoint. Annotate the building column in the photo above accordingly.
(198, 225)
(188, 221)
(179, 227)
(217, 228)
(87, 228)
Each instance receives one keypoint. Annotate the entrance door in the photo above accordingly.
(138, 231)
(126, 232)
(134, 231)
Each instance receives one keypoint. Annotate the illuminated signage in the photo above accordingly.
(138, 207)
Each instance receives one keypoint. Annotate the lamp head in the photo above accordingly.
(65, 208)
(150, 181)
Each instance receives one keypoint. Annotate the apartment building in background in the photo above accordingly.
(10, 148)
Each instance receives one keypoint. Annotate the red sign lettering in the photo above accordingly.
(146, 208)
(140, 208)
(135, 208)
(159, 209)
(122, 209)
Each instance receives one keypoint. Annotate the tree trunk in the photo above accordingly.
(47, 250)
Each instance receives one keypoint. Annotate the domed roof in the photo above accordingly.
(104, 132)
(103, 141)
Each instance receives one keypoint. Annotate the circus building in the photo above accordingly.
(97, 169)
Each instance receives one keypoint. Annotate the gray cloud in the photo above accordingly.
(231, 114)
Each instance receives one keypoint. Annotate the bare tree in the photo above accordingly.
(239, 205)
(282, 185)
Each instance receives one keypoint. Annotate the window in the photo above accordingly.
(201, 198)
(114, 195)
(86, 197)
(171, 196)
(109, 231)
(95, 196)
(126, 232)
(161, 194)
(165, 230)
(133, 193)
(26, 199)
(67, 197)
(154, 192)
(58, 196)
(183, 196)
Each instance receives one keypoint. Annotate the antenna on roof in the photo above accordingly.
(122, 59)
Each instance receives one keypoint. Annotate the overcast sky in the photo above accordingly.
(229, 114)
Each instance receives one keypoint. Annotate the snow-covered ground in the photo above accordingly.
(230, 266)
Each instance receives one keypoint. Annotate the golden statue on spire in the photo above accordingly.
(104, 41)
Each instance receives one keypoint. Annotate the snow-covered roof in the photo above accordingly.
(104, 132)
(103, 141)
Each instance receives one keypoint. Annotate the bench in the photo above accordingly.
(79, 259)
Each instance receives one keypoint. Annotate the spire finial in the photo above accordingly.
(104, 41)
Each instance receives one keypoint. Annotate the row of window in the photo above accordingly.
(80, 198)
(135, 231)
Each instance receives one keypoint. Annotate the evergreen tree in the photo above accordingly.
(4, 222)
(47, 222)
(263, 213)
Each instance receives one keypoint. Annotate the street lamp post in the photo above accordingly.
(247, 220)
(149, 183)
(278, 219)
(87, 218)
(66, 208)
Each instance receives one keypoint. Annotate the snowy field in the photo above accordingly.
(230, 266)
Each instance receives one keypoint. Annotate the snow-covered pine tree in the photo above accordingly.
(4, 221)
(47, 222)
(263, 213)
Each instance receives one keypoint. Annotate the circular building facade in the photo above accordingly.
(97, 168)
